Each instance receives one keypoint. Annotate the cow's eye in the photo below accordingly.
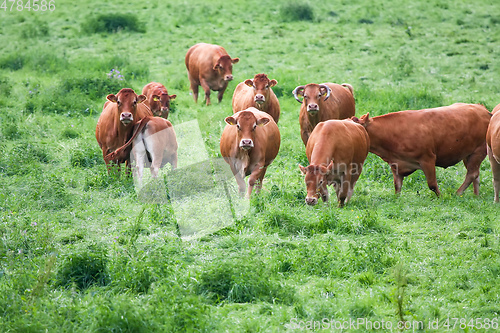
(254, 126)
(238, 126)
(267, 87)
(119, 103)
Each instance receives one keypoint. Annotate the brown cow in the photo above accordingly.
(336, 151)
(249, 143)
(257, 93)
(493, 142)
(157, 98)
(424, 139)
(157, 139)
(338, 103)
(211, 67)
(116, 123)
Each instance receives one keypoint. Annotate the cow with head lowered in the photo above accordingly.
(158, 99)
(257, 92)
(423, 139)
(210, 67)
(116, 123)
(323, 102)
(249, 143)
(493, 142)
(336, 151)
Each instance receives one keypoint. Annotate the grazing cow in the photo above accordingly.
(493, 142)
(338, 103)
(336, 151)
(116, 123)
(257, 93)
(249, 143)
(210, 67)
(424, 139)
(157, 140)
(157, 98)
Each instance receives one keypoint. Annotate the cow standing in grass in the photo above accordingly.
(158, 99)
(157, 142)
(116, 123)
(336, 151)
(423, 139)
(210, 67)
(249, 143)
(257, 92)
(493, 142)
(323, 102)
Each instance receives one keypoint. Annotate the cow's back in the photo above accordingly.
(199, 58)
(342, 104)
(341, 140)
(242, 97)
(449, 132)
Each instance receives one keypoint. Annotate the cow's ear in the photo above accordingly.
(262, 121)
(329, 167)
(112, 98)
(303, 170)
(217, 66)
(172, 96)
(235, 60)
(249, 82)
(272, 83)
(230, 120)
(156, 98)
(141, 98)
(355, 119)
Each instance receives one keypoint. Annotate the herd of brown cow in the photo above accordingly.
(337, 142)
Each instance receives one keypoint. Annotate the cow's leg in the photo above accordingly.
(305, 136)
(495, 170)
(237, 172)
(206, 89)
(255, 179)
(354, 179)
(139, 152)
(429, 168)
(345, 187)
(398, 178)
(472, 164)
(221, 93)
(194, 87)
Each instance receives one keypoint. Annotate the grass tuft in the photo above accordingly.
(296, 11)
(112, 23)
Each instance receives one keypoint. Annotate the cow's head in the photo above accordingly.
(246, 123)
(127, 101)
(225, 67)
(364, 120)
(261, 86)
(316, 181)
(160, 104)
(313, 94)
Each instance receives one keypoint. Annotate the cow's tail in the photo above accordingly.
(138, 128)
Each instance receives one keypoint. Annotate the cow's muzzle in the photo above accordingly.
(126, 118)
(311, 201)
(312, 108)
(246, 144)
(228, 77)
(259, 99)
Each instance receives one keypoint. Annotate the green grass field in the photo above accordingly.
(81, 251)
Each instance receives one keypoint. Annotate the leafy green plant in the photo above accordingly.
(112, 23)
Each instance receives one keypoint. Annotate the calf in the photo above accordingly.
(336, 151)
(157, 98)
(493, 142)
(257, 93)
(157, 140)
(116, 123)
(249, 143)
(211, 67)
(337, 103)
(424, 139)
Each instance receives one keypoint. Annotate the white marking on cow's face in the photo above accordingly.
(126, 118)
(259, 98)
